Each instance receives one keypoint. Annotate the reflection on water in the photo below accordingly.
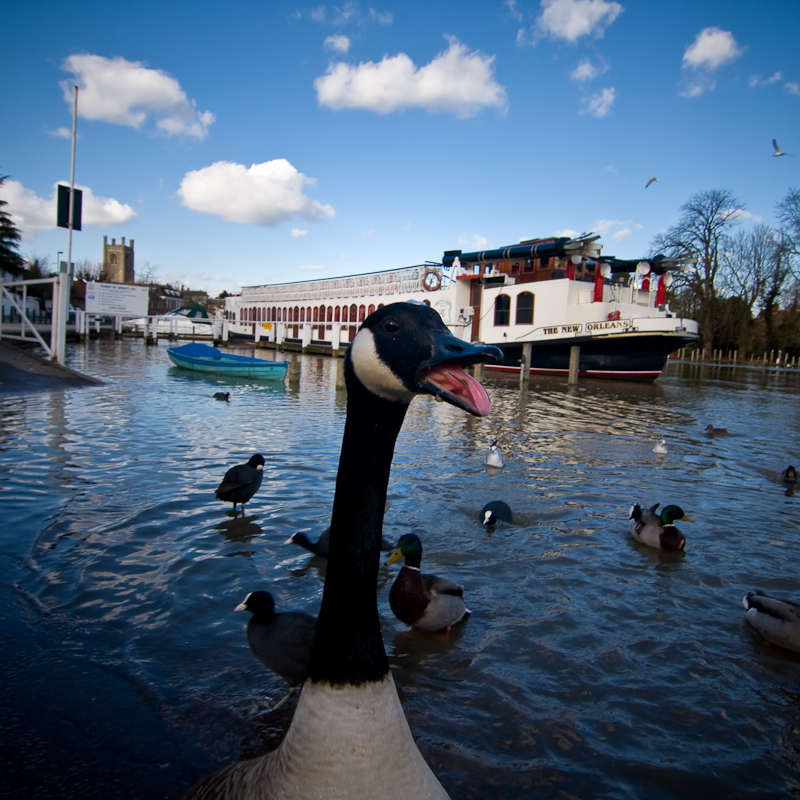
(591, 666)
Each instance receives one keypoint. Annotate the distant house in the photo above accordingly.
(164, 298)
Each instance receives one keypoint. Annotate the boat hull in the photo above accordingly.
(638, 357)
(201, 358)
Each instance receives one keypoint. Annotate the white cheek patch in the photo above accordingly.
(376, 376)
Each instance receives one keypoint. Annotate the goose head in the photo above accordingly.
(404, 349)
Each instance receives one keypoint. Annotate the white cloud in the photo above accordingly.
(617, 229)
(711, 49)
(339, 44)
(513, 10)
(610, 168)
(129, 93)
(311, 268)
(585, 71)
(741, 215)
(793, 88)
(568, 232)
(381, 17)
(471, 242)
(697, 88)
(598, 105)
(61, 133)
(456, 81)
(757, 80)
(367, 233)
(571, 19)
(32, 213)
(298, 233)
(263, 194)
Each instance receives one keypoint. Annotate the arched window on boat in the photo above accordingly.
(337, 314)
(330, 314)
(353, 312)
(502, 309)
(362, 313)
(308, 313)
(370, 309)
(296, 314)
(302, 315)
(524, 308)
(316, 314)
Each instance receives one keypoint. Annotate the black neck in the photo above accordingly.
(348, 646)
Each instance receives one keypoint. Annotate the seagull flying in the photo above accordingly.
(778, 151)
(652, 180)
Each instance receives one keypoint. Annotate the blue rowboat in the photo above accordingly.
(203, 358)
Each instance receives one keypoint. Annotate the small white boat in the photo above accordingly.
(186, 321)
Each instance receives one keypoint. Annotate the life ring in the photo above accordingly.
(431, 280)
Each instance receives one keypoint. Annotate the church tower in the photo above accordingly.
(118, 261)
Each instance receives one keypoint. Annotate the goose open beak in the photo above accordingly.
(443, 376)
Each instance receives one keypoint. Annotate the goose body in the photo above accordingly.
(349, 737)
(496, 510)
(425, 602)
(495, 456)
(778, 621)
(280, 641)
(656, 530)
(224, 396)
(241, 482)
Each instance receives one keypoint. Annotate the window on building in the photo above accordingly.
(524, 309)
(502, 309)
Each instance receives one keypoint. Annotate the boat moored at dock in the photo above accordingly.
(536, 300)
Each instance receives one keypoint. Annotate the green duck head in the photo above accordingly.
(670, 514)
(409, 547)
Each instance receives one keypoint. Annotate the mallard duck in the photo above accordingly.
(425, 602)
(778, 621)
(789, 476)
(241, 482)
(495, 457)
(657, 530)
(711, 431)
(496, 510)
(661, 446)
(281, 642)
(349, 736)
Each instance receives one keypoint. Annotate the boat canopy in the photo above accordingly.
(563, 247)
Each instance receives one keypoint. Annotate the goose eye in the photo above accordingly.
(391, 325)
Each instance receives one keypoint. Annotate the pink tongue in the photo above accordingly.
(471, 394)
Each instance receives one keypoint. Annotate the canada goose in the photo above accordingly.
(425, 602)
(349, 737)
(778, 621)
(281, 642)
(241, 482)
(496, 510)
(656, 530)
(495, 457)
(789, 476)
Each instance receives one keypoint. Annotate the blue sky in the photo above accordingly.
(252, 142)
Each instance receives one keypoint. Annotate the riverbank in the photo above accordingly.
(23, 372)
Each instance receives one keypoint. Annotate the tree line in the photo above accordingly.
(745, 289)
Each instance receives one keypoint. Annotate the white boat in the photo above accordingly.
(535, 300)
(184, 322)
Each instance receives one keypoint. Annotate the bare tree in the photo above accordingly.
(87, 270)
(702, 233)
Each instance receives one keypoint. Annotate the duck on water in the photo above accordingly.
(349, 737)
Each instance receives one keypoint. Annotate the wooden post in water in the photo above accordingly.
(340, 384)
(477, 372)
(574, 362)
(293, 373)
(525, 364)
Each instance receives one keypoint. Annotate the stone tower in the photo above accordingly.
(118, 260)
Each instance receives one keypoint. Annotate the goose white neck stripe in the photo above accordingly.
(373, 372)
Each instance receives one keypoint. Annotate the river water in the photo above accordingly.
(591, 667)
